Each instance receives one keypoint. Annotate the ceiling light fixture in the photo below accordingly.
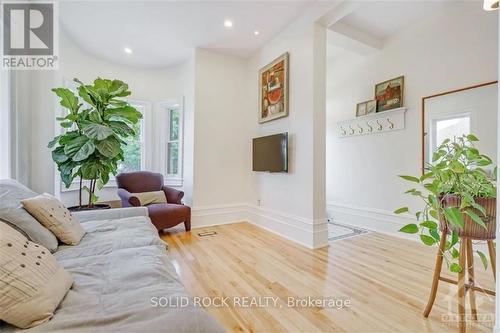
(256, 32)
(127, 50)
(490, 5)
(228, 23)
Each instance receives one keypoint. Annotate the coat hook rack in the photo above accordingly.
(380, 122)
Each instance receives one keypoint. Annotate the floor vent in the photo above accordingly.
(207, 233)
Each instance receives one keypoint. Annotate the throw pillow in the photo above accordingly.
(51, 212)
(32, 283)
(153, 197)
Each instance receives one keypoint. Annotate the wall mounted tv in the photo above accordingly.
(270, 153)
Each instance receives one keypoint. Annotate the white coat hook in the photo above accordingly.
(379, 125)
(344, 132)
(370, 127)
(352, 130)
(360, 129)
(391, 124)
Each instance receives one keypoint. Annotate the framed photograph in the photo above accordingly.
(389, 94)
(365, 108)
(273, 89)
(360, 109)
(371, 106)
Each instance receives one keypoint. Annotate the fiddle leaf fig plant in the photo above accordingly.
(458, 169)
(97, 122)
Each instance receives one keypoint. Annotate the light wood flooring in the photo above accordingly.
(386, 279)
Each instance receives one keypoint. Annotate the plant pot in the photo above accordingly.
(471, 229)
(86, 207)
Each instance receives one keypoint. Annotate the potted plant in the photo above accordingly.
(459, 196)
(96, 125)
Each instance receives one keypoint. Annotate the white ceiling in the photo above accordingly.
(382, 19)
(165, 33)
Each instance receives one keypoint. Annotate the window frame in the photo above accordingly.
(163, 111)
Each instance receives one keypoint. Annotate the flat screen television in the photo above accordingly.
(270, 153)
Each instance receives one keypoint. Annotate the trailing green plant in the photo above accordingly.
(458, 169)
(97, 122)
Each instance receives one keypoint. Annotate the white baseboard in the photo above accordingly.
(309, 233)
(377, 220)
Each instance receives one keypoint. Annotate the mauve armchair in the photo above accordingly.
(163, 215)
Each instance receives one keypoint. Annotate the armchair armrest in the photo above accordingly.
(128, 200)
(173, 195)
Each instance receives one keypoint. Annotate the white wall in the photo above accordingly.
(449, 50)
(221, 145)
(293, 203)
(146, 85)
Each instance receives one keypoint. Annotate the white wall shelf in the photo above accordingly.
(386, 121)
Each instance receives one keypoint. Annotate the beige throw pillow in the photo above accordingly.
(51, 213)
(32, 283)
(148, 198)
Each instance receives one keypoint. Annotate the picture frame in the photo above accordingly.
(390, 94)
(366, 108)
(273, 89)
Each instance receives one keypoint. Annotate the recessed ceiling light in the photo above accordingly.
(256, 32)
(228, 23)
(127, 50)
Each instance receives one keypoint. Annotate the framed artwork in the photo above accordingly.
(389, 94)
(360, 109)
(273, 89)
(366, 108)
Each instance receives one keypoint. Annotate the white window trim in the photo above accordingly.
(75, 185)
(164, 130)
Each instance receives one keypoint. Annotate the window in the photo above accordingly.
(448, 128)
(133, 151)
(171, 130)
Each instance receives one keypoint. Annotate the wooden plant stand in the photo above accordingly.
(466, 261)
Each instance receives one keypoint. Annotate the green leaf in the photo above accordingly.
(483, 259)
(429, 224)
(121, 128)
(74, 145)
(434, 214)
(53, 142)
(401, 210)
(109, 147)
(435, 234)
(97, 131)
(456, 268)
(410, 178)
(427, 240)
(479, 208)
(453, 215)
(59, 156)
(476, 218)
(126, 112)
(455, 254)
(409, 229)
(90, 170)
(426, 176)
(85, 151)
(68, 99)
(472, 137)
(66, 124)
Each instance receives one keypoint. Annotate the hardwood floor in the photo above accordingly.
(386, 279)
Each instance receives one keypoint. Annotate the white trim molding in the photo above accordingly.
(310, 233)
(373, 219)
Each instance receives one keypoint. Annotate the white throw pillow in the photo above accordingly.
(52, 213)
(32, 283)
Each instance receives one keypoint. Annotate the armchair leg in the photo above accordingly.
(187, 224)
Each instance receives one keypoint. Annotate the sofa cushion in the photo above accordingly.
(11, 194)
(32, 283)
(52, 213)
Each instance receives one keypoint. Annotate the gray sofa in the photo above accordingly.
(119, 267)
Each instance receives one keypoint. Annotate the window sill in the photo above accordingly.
(173, 182)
